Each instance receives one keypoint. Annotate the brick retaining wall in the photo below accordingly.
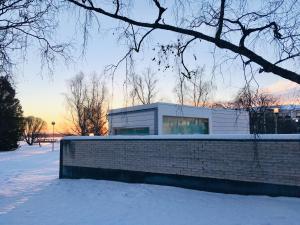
(216, 162)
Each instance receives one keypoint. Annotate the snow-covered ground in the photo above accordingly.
(32, 194)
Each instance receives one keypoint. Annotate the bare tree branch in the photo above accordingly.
(25, 22)
(161, 10)
(221, 19)
(242, 21)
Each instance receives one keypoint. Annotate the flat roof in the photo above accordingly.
(134, 108)
(157, 105)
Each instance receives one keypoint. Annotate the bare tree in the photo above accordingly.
(86, 101)
(195, 91)
(181, 89)
(24, 22)
(252, 100)
(96, 106)
(144, 87)
(257, 104)
(199, 89)
(236, 26)
(223, 105)
(33, 127)
(76, 100)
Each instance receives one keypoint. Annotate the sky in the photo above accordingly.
(42, 94)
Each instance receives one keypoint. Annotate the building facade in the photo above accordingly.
(165, 118)
(289, 111)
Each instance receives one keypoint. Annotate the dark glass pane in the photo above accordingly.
(132, 131)
(185, 125)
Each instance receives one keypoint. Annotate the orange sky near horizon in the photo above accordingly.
(42, 96)
(47, 111)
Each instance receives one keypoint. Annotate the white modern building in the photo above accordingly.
(164, 118)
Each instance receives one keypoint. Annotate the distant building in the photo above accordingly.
(164, 118)
(289, 111)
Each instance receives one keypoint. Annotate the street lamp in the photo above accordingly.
(276, 111)
(53, 124)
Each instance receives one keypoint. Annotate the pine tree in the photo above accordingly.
(10, 116)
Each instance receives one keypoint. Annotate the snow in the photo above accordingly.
(32, 194)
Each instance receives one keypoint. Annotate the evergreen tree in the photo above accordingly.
(10, 116)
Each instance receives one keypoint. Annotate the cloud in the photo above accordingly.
(281, 86)
(288, 92)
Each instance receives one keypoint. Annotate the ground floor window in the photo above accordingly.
(185, 125)
(132, 131)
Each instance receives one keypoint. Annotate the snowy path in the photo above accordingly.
(25, 172)
(32, 194)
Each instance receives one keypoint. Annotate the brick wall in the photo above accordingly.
(265, 161)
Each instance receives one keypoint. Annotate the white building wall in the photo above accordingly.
(133, 120)
(230, 122)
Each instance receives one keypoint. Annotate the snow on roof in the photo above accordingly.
(160, 104)
(191, 136)
(134, 108)
(290, 107)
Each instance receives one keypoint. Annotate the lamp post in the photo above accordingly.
(53, 124)
(276, 111)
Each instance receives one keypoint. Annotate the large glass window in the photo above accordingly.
(185, 125)
(132, 131)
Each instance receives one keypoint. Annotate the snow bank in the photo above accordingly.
(32, 194)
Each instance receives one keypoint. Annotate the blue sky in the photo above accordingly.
(42, 95)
